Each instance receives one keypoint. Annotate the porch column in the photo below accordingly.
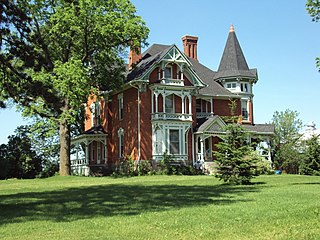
(156, 94)
(164, 103)
(152, 102)
(190, 104)
(201, 149)
(87, 152)
(182, 104)
(211, 103)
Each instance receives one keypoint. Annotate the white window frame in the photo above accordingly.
(121, 142)
(176, 142)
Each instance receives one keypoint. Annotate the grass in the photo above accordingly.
(160, 207)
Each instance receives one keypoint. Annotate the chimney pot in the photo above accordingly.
(190, 46)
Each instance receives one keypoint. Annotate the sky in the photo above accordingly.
(277, 37)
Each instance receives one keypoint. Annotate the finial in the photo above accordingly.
(231, 28)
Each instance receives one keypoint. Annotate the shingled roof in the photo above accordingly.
(151, 55)
(156, 51)
(260, 128)
(233, 62)
(207, 76)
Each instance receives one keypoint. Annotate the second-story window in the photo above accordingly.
(169, 104)
(231, 85)
(198, 105)
(168, 72)
(120, 106)
(244, 109)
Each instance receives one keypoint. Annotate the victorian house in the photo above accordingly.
(170, 103)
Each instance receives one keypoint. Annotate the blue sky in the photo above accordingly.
(277, 37)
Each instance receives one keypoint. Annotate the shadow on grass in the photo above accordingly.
(109, 200)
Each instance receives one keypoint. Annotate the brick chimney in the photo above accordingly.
(134, 57)
(190, 46)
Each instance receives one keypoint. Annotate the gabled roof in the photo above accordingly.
(213, 124)
(150, 56)
(95, 130)
(233, 62)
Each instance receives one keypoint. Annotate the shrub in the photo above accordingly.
(125, 168)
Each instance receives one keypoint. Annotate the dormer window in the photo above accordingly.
(168, 72)
(244, 87)
(231, 85)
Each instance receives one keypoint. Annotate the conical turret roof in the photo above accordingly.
(233, 62)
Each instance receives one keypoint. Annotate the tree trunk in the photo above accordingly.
(65, 169)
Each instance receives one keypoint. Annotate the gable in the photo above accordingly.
(213, 125)
(169, 56)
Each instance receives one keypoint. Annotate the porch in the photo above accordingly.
(89, 151)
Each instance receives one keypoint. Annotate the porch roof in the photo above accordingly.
(262, 129)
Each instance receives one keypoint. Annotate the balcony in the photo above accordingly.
(172, 116)
(173, 82)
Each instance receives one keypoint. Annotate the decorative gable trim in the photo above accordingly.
(213, 125)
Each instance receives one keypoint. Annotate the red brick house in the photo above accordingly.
(171, 103)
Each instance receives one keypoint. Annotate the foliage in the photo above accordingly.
(53, 54)
(144, 168)
(125, 168)
(286, 150)
(263, 166)
(17, 158)
(311, 162)
(235, 162)
(313, 8)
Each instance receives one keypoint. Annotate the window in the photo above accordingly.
(244, 87)
(169, 104)
(120, 104)
(198, 105)
(244, 110)
(121, 143)
(98, 152)
(174, 141)
(95, 113)
(231, 85)
(168, 72)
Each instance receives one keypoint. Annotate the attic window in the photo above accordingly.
(168, 72)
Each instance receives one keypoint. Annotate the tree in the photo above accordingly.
(313, 8)
(286, 153)
(236, 163)
(54, 54)
(311, 162)
(17, 158)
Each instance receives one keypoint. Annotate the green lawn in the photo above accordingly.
(160, 207)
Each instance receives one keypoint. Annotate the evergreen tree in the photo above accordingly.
(235, 161)
(311, 162)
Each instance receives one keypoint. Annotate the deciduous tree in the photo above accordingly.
(53, 54)
(313, 8)
(287, 127)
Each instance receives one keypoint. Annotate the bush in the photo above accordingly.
(125, 168)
